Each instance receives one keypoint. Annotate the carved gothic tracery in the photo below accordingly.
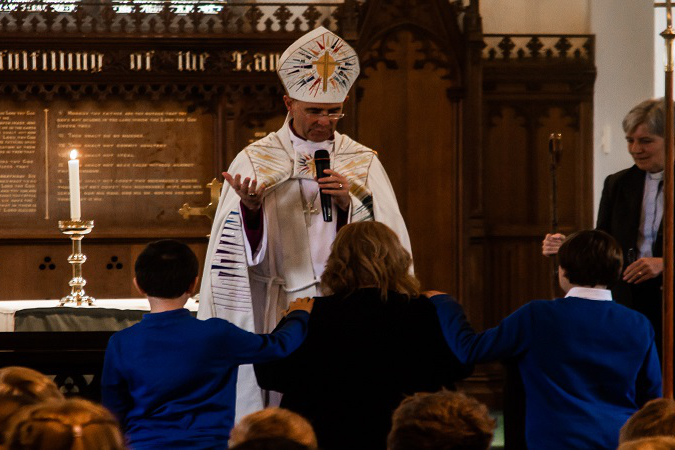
(530, 46)
(122, 18)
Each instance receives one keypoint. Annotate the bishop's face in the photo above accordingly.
(648, 150)
(311, 120)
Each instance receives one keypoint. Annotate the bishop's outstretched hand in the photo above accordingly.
(248, 190)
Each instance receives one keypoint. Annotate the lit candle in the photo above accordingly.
(74, 183)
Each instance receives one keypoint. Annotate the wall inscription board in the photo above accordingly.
(140, 161)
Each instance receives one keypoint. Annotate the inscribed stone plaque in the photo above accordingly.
(140, 161)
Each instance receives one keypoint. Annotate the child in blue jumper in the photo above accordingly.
(586, 362)
(170, 379)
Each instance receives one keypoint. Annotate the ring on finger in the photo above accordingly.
(251, 194)
(340, 185)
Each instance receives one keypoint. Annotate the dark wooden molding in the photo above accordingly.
(200, 94)
(257, 104)
(540, 47)
(171, 19)
(433, 23)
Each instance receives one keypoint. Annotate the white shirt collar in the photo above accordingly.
(590, 293)
(657, 176)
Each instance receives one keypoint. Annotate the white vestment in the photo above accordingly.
(252, 287)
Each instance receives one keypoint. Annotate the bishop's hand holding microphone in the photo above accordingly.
(331, 184)
(322, 162)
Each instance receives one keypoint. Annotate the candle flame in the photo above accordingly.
(73, 154)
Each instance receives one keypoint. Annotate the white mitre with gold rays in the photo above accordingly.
(320, 67)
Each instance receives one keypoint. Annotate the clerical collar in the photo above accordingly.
(590, 293)
(657, 176)
(297, 139)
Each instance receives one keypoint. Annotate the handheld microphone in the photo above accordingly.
(321, 162)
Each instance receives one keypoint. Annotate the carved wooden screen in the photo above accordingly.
(534, 86)
(413, 101)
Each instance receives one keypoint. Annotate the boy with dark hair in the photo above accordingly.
(165, 268)
(170, 379)
(586, 362)
(590, 258)
(441, 420)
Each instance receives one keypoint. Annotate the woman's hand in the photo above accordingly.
(301, 304)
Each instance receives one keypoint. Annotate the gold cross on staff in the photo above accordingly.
(328, 64)
(668, 34)
(209, 210)
(668, 7)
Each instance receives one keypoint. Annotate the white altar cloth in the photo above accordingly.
(8, 309)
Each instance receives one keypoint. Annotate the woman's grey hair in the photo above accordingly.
(649, 112)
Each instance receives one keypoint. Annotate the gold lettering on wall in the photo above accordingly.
(140, 162)
(258, 62)
(18, 169)
(192, 62)
(117, 164)
(93, 62)
(51, 61)
(141, 61)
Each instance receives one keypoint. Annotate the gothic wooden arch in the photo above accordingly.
(434, 24)
(419, 56)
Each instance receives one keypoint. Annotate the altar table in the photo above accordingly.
(46, 315)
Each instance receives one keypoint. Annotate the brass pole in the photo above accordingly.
(555, 150)
(668, 228)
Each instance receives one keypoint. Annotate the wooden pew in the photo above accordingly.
(75, 359)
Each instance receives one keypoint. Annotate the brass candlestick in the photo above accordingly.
(76, 229)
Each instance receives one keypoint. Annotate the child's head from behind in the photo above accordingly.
(166, 269)
(649, 443)
(24, 382)
(443, 419)
(274, 423)
(21, 387)
(655, 418)
(590, 258)
(64, 425)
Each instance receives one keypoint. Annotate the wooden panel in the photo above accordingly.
(406, 116)
(519, 118)
(517, 165)
(507, 168)
(140, 161)
(41, 270)
(518, 274)
(517, 185)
